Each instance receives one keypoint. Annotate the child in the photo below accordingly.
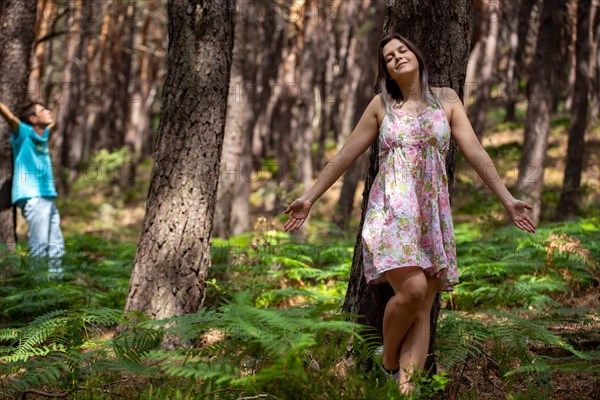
(408, 235)
(33, 187)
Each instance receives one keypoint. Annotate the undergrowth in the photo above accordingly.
(271, 325)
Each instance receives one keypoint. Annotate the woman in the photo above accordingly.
(408, 236)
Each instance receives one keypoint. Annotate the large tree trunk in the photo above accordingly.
(567, 205)
(173, 254)
(357, 92)
(17, 21)
(545, 71)
(442, 33)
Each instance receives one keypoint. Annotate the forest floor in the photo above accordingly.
(110, 208)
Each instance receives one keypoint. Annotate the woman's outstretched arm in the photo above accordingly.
(362, 137)
(463, 134)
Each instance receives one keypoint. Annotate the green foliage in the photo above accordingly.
(271, 324)
(96, 273)
(255, 348)
(511, 269)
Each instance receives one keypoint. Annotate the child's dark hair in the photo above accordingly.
(28, 110)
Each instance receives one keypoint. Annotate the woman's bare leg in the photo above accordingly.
(410, 288)
(414, 348)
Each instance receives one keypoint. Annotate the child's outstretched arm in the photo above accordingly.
(13, 121)
(362, 137)
(463, 134)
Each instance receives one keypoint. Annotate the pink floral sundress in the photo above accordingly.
(408, 220)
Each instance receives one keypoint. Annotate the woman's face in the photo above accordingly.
(399, 60)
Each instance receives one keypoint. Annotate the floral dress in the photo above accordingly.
(408, 221)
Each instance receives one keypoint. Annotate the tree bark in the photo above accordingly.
(568, 202)
(17, 22)
(545, 71)
(442, 34)
(173, 253)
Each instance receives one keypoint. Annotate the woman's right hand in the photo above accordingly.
(299, 209)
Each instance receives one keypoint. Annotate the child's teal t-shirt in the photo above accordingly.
(33, 176)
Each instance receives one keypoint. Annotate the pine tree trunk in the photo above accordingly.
(143, 84)
(173, 254)
(356, 95)
(523, 30)
(281, 122)
(485, 66)
(68, 103)
(271, 40)
(17, 22)
(234, 179)
(115, 71)
(511, 86)
(595, 62)
(567, 205)
(42, 25)
(545, 71)
(447, 56)
(312, 58)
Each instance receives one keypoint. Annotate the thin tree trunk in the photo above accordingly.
(283, 125)
(138, 118)
(447, 57)
(173, 254)
(69, 96)
(233, 179)
(311, 58)
(568, 203)
(356, 94)
(143, 86)
(110, 124)
(595, 63)
(97, 56)
(42, 25)
(545, 70)
(511, 20)
(485, 67)
(525, 27)
(272, 41)
(17, 22)
(571, 52)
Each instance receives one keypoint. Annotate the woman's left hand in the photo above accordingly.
(517, 211)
